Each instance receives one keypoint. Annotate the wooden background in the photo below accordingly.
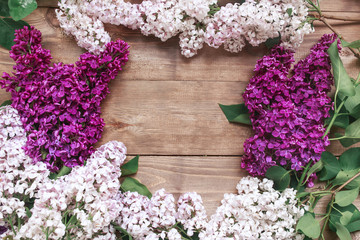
(164, 107)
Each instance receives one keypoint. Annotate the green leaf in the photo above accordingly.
(331, 166)
(338, 212)
(344, 176)
(308, 226)
(354, 44)
(280, 176)
(346, 217)
(289, 11)
(349, 160)
(21, 8)
(294, 183)
(314, 169)
(131, 167)
(354, 226)
(347, 142)
(7, 31)
(302, 194)
(6, 103)
(341, 121)
(28, 212)
(342, 232)
(352, 104)
(271, 42)
(52, 175)
(353, 130)
(236, 113)
(343, 82)
(4, 8)
(345, 198)
(133, 185)
(63, 171)
(124, 234)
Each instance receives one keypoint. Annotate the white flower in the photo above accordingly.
(252, 21)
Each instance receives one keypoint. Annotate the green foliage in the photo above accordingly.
(349, 160)
(343, 82)
(354, 44)
(331, 166)
(342, 232)
(4, 8)
(131, 167)
(7, 31)
(6, 103)
(280, 176)
(340, 171)
(340, 121)
(341, 215)
(289, 11)
(124, 235)
(309, 226)
(271, 42)
(353, 130)
(21, 8)
(346, 142)
(63, 171)
(236, 113)
(352, 104)
(345, 198)
(17, 9)
(133, 185)
(314, 169)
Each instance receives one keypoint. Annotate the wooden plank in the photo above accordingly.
(174, 117)
(209, 176)
(152, 59)
(326, 5)
(155, 115)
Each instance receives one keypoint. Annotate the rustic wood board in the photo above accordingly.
(165, 107)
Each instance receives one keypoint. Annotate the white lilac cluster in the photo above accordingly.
(196, 21)
(20, 179)
(256, 212)
(80, 205)
(159, 217)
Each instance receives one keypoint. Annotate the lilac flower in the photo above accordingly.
(288, 113)
(3, 229)
(59, 104)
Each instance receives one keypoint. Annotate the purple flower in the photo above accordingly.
(288, 113)
(59, 104)
(3, 229)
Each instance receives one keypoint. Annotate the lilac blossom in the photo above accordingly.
(288, 113)
(59, 104)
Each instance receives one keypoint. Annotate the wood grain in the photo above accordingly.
(209, 176)
(164, 104)
(165, 107)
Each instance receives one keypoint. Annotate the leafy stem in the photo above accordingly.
(323, 19)
(346, 183)
(336, 114)
(303, 175)
(318, 15)
(327, 216)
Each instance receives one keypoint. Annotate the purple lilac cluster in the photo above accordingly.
(59, 104)
(288, 113)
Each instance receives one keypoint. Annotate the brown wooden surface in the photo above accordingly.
(165, 107)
